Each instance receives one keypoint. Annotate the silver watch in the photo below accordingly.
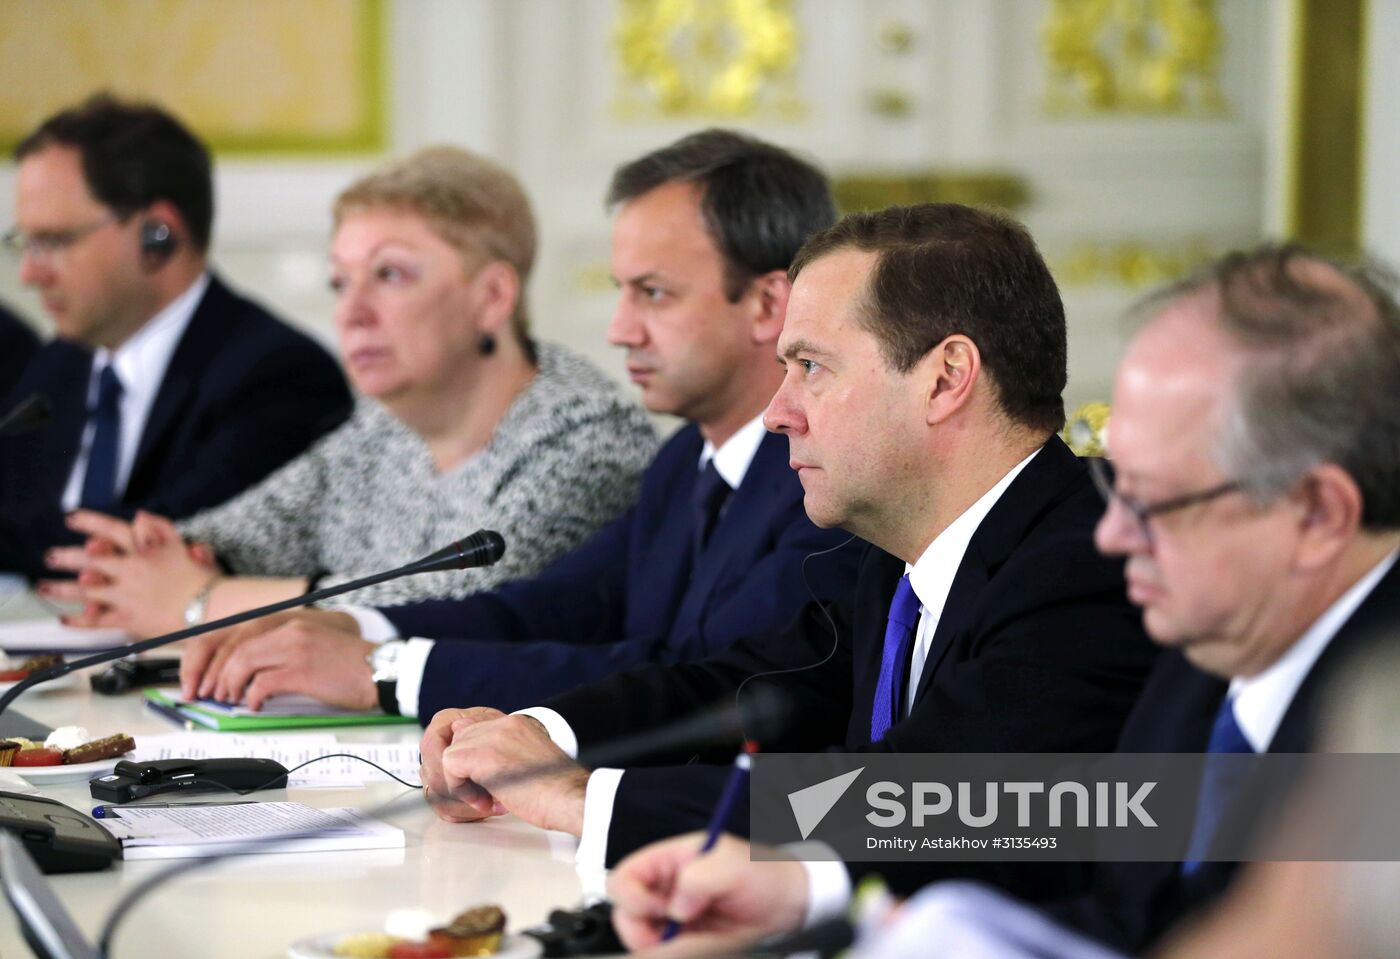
(384, 661)
(198, 608)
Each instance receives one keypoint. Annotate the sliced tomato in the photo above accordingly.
(419, 950)
(13, 675)
(39, 757)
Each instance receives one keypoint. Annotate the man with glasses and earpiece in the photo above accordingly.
(167, 391)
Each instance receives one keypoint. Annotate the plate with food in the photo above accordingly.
(477, 932)
(69, 754)
(15, 668)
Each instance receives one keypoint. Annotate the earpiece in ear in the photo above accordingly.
(157, 242)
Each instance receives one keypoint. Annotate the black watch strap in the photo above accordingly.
(388, 696)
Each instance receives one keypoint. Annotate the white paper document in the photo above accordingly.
(183, 832)
(49, 635)
(340, 772)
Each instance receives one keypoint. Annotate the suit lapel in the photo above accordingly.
(1038, 487)
(201, 340)
(1378, 612)
(744, 520)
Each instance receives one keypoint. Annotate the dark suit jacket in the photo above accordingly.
(629, 595)
(1131, 904)
(243, 394)
(1037, 649)
(17, 344)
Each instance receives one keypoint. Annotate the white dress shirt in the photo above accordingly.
(1262, 699)
(140, 364)
(732, 462)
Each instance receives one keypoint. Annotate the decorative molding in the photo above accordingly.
(1086, 429)
(875, 191)
(1123, 57)
(1129, 263)
(1325, 205)
(256, 76)
(706, 59)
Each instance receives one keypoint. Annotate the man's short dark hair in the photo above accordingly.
(760, 202)
(134, 154)
(944, 268)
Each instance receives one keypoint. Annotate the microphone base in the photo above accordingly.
(14, 724)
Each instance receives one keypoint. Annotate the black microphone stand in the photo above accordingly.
(482, 548)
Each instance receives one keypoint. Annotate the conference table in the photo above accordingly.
(257, 905)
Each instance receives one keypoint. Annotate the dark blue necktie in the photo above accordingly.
(899, 632)
(1220, 780)
(710, 494)
(100, 483)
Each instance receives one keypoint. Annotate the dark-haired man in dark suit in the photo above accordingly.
(169, 391)
(924, 353)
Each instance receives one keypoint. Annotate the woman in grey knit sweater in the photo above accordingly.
(465, 423)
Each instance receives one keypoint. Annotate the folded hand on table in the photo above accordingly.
(311, 652)
(722, 899)
(480, 762)
(135, 576)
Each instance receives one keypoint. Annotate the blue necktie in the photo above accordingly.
(1219, 782)
(100, 483)
(899, 632)
(708, 499)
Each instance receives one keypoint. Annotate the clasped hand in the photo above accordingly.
(479, 762)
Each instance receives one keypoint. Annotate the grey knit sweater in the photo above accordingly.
(566, 458)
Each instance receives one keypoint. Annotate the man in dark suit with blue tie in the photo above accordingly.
(924, 354)
(169, 392)
(717, 544)
(1256, 446)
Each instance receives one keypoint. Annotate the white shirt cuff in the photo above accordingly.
(412, 661)
(598, 801)
(828, 890)
(557, 726)
(374, 625)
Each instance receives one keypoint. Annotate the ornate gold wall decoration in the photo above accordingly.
(248, 75)
(1132, 57)
(875, 191)
(1129, 262)
(718, 59)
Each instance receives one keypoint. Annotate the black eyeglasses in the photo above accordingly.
(1102, 474)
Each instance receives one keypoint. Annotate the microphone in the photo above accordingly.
(481, 548)
(825, 939)
(32, 412)
(764, 713)
(768, 709)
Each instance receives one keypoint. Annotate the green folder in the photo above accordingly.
(227, 722)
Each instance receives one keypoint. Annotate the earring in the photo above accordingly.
(486, 345)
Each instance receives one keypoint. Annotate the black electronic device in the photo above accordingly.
(58, 837)
(131, 781)
(48, 927)
(128, 674)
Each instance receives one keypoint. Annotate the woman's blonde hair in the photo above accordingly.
(472, 203)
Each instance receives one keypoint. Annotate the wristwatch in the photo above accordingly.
(198, 607)
(384, 662)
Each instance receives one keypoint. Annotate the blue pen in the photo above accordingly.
(110, 811)
(171, 713)
(738, 778)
